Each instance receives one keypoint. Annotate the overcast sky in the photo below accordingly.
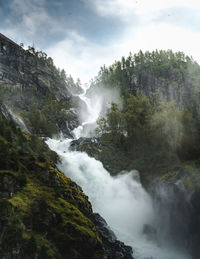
(82, 35)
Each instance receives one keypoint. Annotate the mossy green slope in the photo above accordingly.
(43, 214)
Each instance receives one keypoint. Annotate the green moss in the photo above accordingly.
(187, 174)
(47, 214)
(38, 203)
(71, 215)
(171, 176)
(3, 172)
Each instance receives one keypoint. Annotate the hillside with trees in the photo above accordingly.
(158, 126)
(34, 89)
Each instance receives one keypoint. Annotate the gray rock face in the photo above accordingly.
(4, 111)
(115, 249)
(75, 143)
(32, 80)
(21, 69)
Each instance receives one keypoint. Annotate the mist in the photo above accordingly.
(97, 101)
(122, 201)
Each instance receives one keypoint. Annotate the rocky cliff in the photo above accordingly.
(33, 88)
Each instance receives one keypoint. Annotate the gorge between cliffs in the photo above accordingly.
(111, 171)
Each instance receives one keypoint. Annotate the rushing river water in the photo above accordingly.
(122, 201)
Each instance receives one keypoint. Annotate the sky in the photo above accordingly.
(83, 35)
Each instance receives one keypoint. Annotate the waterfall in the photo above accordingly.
(93, 111)
(121, 200)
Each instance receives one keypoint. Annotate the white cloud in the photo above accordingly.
(142, 11)
(31, 18)
(25, 6)
(83, 59)
(164, 36)
(140, 7)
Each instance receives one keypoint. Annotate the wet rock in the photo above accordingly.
(75, 143)
(115, 249)
(4, 111)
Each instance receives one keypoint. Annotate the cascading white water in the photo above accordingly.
(93, 111)
(121, 200)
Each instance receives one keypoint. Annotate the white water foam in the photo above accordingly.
(121, 200)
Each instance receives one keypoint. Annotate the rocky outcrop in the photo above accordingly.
(77, 143)
(22, 70)
(113, 158)
(43, 214)
(114, 248)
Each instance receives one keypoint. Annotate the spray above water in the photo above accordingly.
(121, 200)
(97, 102)
(91, 115)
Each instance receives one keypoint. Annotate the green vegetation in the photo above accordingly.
(43, 214)
(159, 124)
(41, 94)
(43, 113)
(74, 88)
(46, 116)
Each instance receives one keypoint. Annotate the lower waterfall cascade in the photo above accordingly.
(121, 200)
